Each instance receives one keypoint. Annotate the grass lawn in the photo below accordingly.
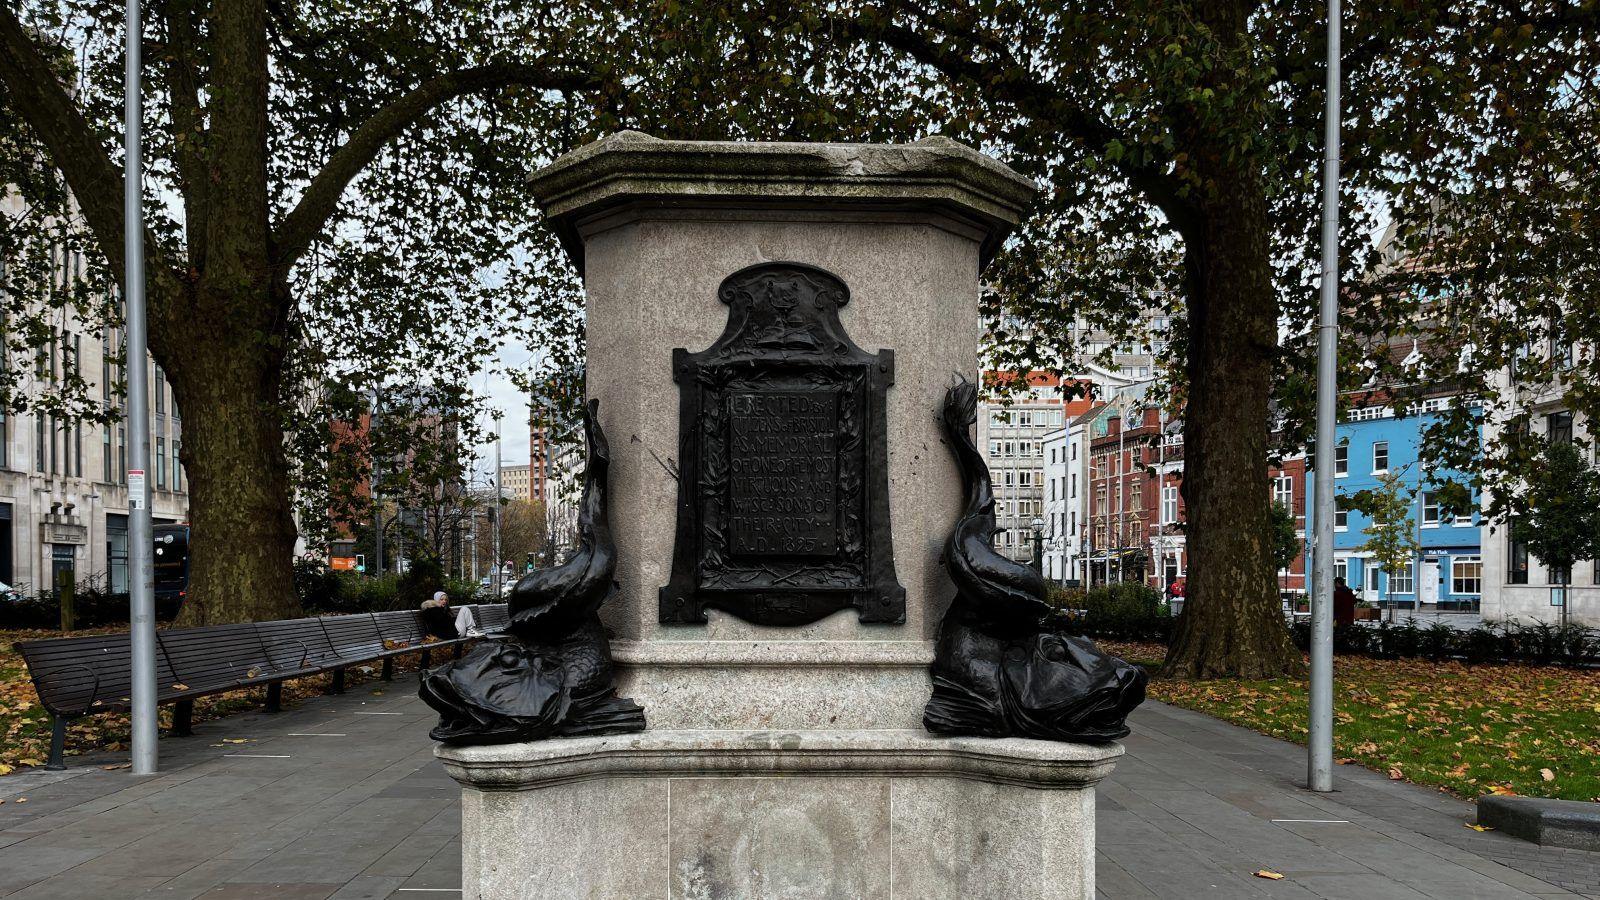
(25, 725)
(1468, 730)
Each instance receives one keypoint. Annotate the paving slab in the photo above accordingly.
(329, 801)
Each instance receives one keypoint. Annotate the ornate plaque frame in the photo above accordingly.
(783, 344)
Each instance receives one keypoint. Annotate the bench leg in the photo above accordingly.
(337, 686)
(426, 658)
(388, 668)
(275, 697)
(183, 718)
(58, 744)
(459, 649)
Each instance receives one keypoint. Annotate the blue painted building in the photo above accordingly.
(1448, 572)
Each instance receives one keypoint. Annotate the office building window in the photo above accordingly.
(1341, 519)
(1169, 504)
(105, 453)
(117, 552)
(1558, 427)
(1341, 460)
(177, 468)
(1430, 507)
(55, 458)
(161, 391)
(1401, 581)
(1517, 562)
(161, 463)
(1380, 457)
(122, 454)
(38, 442)
(1466, 575)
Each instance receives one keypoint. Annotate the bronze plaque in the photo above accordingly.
(783, 506)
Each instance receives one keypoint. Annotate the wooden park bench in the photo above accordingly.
(81, 676)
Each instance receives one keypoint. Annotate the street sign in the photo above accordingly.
(136, 494)
(342, 563)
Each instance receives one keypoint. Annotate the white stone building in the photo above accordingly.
(1011, 438)
(1066, 477)
(1516, 585)
(63, 484)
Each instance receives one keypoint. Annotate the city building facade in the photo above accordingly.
(1517, 586)
(1377, 440)
(64, 482)
(1011, 437)
(516, 482)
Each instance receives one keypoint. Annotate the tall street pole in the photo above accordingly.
(377, 498)
(499, 508)
(141, 595)
(1319, 751)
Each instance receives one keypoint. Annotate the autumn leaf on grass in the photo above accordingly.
(1396, 775)
(1269, 874)
(1547, 775)
(1501, 790)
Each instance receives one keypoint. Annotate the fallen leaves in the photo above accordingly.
(180, 686)
(118, 766)
(1268, 874)
(1476, 827)
(1468, 730)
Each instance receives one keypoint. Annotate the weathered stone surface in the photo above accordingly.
(777, 684)
(628, 165)
(823, 844)
(775, 815)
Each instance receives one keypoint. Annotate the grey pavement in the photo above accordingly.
(341, 798)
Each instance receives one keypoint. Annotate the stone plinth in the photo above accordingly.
(764, 815)
(656, 226)
(781, 763)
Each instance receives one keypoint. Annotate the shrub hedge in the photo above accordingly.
(1137, 612)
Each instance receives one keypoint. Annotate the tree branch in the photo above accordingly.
(303, 223)
(1041, 100)
(183, 91)
(183, 88)
(36, 92)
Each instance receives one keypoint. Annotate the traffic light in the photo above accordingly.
(530, 561)
(361, 562)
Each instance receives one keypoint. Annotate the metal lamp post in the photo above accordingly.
(1319, 744)
(1038, 544)
(142, 631)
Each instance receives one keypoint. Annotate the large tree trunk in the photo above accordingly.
(242, 532)
(1232, 624)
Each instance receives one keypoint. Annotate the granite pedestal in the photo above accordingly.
(781, 762)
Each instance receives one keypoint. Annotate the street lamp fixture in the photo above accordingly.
(1038, 545)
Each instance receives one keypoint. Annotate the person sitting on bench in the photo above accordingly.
(464, 624)
(436, 617)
